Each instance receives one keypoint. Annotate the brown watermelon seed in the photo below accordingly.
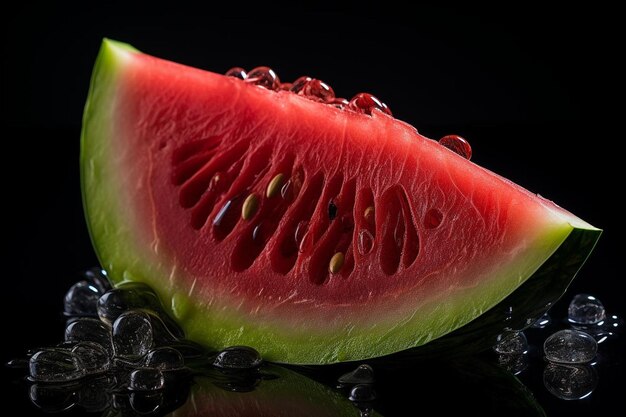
(273, 188)
(336, 262)
(250, 206)
(369, 214)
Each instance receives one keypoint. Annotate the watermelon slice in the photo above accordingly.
(314, 233)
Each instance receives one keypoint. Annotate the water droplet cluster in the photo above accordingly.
(122, 351)
(310, 88)
(570, 354)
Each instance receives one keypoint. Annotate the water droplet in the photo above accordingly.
(365, 242)
(317, 89)
(432, 219)
(146, 379)
(236, 72)
(363, 374)
(512, 362)
(238, 357)
(542, 322)
(82, 299)
(265, 77)
(570, 382)
(99, 278)
(92, 357)
(332, 210)
(458, 145)
(164, 358)
(512, 343)
(585, 309)
(127, 296)
(54, 365)
(570, 346)
(132, 334)
(300, 83)
(89, 330)
(362, 393)
(367, 103)
(339, 102)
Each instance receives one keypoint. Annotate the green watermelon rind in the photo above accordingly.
(111, 227)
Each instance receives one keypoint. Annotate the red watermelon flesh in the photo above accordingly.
(171, 155)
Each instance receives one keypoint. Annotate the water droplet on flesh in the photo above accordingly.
(585, 309)
(146, 379)
(265, 77)
(367, 103)
(458, 145)
(317, 89)
(512, 343)
(570, 382)
(238, 357)
(55, 365)
(363, 374)
(299, 84)
(132, 334)
(236, 72)
(570, 346)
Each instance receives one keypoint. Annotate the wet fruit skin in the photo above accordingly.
(444, 242)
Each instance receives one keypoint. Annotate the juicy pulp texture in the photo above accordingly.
(166, 148)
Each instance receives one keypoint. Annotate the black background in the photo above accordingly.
(536, 92)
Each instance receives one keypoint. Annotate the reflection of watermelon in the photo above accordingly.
(170, 154)
(285, 393)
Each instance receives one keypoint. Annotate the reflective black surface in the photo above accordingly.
(532, 90)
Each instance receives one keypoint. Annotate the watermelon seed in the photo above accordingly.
(219, 217)
(250, 206)
(369, 214)
(237, 72)
(275, 185)
(336, 262)
(366, 242)
(332, 210)
(458, 145)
